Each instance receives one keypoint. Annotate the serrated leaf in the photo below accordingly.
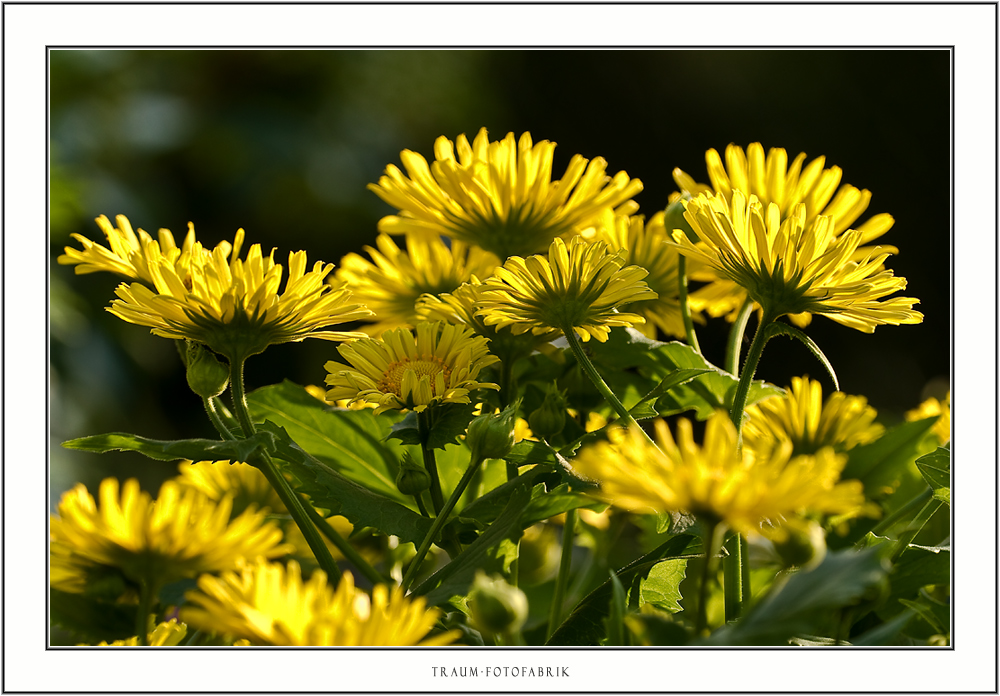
(585, 624)
(662, 587)
(880, 462)
(349, 442)
(331, 490)
(90, 619)
(936, 468)
(171, 450)
(615, 621)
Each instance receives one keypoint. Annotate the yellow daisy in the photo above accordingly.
(245, 484)
(499, 196)
(180, 534)
(748, 490)
(232, 305)
(578, 286)
(934, 407)
(801, 417)
(788, 267)
(399, 371)
(390, 284)
(269, 604)
(645, 247)
(168, 633)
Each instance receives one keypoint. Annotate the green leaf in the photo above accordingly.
(916, 568)
(545, 504)
(881, 462)
(624, 348)
(330, 490)
(675, 379)
(781, 329)
(885, 634)
(350, 442)
(585, 625)
(492, 552)
(171, 450)
(491, 505)
(805, 602)
(450, 422)
(90, 619)
(936, 468)
(656, 628)
(939, 620)
(662, 588)
(615, 621)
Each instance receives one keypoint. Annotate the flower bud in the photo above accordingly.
(803, 545)
(491, 435)
(412, 479)
(549, 418)
(497, 608)
(206, 376)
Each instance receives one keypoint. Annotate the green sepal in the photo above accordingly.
(170, 450)
(778, 328)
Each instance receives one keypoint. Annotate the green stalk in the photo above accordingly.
(602, 386)
(147, 592)
(745, 572)
(735, 342)
(506, 381)
(732, 574)
(713, 542)
(212, 410)
(350, 553)
(760, 338)
(682, 297)
(284, 490)
(439, 521)
(562, 579)
(902, 512)
(430, 463)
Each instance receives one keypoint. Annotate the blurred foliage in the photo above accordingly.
(283, 143)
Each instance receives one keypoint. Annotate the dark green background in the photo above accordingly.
(282, 143)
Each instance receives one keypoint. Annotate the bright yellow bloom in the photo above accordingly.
(268, 604)
(788, 267)
(801, 417)
(499, 196)
(933, 407)
(578, 286)
(244, 483)
(752, 490)
(232, 305)
(390, 284)
(399, 371)
(645, 247)
(772, 180)
(166, 634)
(180, 534)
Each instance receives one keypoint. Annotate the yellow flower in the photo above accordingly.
(232, 305)
(397, 371)
(772, 180)
(167, 634)
(933, 407)
(788, 267)
(180, 534)
(499, 196)
(752, 490)
(245, 484)
(390, 284)
(645, 247)
(268, 604)
(801, 417)
(577, 286)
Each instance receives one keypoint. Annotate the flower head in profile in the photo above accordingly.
(232, 305)
(935, 407)
(390, 284)
(576, 287)
(645, 246)
(441, 364)
(269, 604)
(749, 490)
(810, 424)
(499, 196)
(180, 534)
(166, 634)
(788, 267)
(246, 485)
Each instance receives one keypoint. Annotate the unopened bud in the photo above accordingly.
(491, 435)
(549, 418)
(206, 376)
(497, 607)
(412, 478)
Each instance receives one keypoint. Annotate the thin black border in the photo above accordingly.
(420, 3)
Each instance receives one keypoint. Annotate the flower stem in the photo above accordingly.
(682, 297)
(288, 496)
(760, 338)
(713, 542)
(562, 579)
(735, 342)
(212, 410)
(506, 381)
(732, 573)
(147, 591)
(430, 463)
(602, 386)
(439, 521)
(350, 553)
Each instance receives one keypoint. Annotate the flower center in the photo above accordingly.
(430, 365)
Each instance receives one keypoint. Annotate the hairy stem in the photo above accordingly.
(736, 333)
